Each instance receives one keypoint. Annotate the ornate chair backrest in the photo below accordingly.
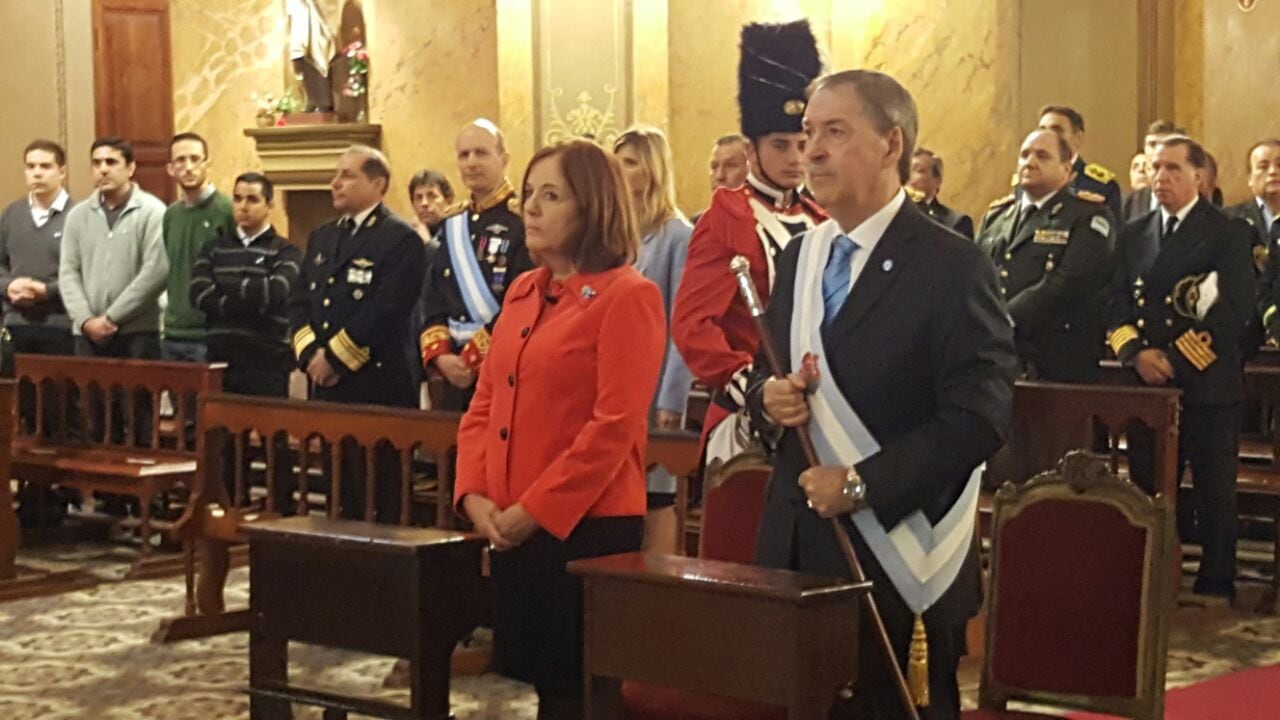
(732, 502)
(1079, 593)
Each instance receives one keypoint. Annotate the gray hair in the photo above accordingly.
(886, 104)
(375, 164)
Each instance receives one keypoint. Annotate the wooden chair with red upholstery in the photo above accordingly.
(1079, 595)
(732, 502)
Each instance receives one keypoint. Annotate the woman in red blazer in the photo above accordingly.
(551, 451)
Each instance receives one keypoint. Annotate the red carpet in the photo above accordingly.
(1252, 694)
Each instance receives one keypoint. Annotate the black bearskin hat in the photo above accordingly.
(778, 63)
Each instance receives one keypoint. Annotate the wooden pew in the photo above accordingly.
(749, 633)
(215, 519)
(679, 452)
(1051, 419)
(8, 518)
(83, 443)
(1258, 485)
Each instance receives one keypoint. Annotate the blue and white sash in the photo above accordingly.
(481, 304)
(920, 559)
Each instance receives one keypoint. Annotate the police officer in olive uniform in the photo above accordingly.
(1177, 312)
(349, 313)
(482, 251)
(1089, 177)
(1052, 249)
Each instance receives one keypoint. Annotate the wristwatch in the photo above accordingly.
(854, 488)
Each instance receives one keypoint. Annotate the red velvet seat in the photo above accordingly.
(1078, 597)
(733, 500)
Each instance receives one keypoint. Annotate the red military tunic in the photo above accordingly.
(559, 421)
(711, 326)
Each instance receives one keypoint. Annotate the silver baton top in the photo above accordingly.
(741, 268)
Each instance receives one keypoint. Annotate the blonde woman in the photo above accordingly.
(646, 162)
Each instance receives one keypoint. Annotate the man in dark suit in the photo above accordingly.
(1052, 250)
(917, 361)
(1262, 210)
(1140, 202)
(926, 178)
(349, 313)
(1178, 310)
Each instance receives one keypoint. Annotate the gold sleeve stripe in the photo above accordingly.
(1266, 316)
(1122, 336)
(433, 335)
(481, 341)
(347, 352)
(301, 339)
(1197, 348)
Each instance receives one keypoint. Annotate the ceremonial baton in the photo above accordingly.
(741, 268)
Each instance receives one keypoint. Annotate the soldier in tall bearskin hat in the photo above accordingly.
(710, 325)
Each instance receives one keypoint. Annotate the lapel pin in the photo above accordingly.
(1055, 209)
(887, 266)
(588, 292)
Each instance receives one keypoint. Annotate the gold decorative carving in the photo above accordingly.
(583, 120)
(60, 39)
(1247, 5)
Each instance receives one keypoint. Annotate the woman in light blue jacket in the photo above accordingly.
(647, 166)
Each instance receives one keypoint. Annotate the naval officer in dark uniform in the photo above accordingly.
(1052, 248)
(1178, 309)
(482, 252)
(349, 314)
(1090, 177)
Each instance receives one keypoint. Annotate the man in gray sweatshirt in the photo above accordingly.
(112, 271)
(113, 265)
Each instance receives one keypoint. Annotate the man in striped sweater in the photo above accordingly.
(241, 281)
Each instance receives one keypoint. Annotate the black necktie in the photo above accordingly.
(1023, 216)
(1169, 226)
(346, 223)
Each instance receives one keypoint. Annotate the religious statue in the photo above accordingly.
(311, 48)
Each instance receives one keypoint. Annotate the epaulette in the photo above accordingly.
(1002, 201)
(1090, 196)
(1099, 173)
(915, 195)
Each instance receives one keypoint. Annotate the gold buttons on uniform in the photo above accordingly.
(1004, 273)
(1141, 322)
(1142, 302)
(313, 286)
(326, 302)
(332, 280)
(324, 325)
(1168, 322)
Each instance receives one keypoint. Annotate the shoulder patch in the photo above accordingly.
(1090, 196)
(1099, 173)
(1002, 201)
(1101, 224)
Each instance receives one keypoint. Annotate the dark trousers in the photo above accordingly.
(386, 477)
(262, 382)
(537, 624)
(875, 693)
(1208, 442)
(40, 340)
(132, 346)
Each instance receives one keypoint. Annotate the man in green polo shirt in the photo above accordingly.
(199, 215)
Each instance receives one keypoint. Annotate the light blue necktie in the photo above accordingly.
(835, 279)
